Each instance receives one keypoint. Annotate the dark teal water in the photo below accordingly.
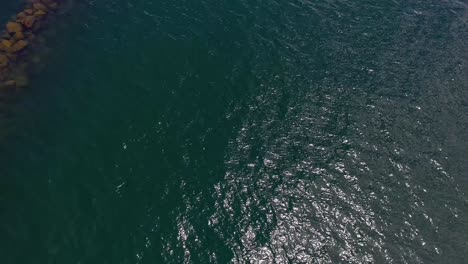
(241, 132)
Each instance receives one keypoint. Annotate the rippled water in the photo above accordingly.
(243, 132)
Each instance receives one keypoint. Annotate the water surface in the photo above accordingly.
(242, 132)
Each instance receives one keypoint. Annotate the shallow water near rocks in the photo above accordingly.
(241, 132)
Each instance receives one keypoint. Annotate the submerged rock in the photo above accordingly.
(12, 57)
(50, 3)
(19, 32)
(3, 74)
(20, 45)
(10, 83)
(29, 35)
(21, 80)
(3, 61)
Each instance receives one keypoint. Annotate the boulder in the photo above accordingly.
(20, 15)
(39, 13)
(3, 47)
(18, 35)
(40, 6)
(13, 27)
(6, 43)
(28, 21)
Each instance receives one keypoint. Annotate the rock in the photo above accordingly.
(39, 13)
(28, 21)
(3, 61)
(13, 27)
(20, 45)
(40, 6)
(18, 35)
(3, 47)
(29, 11)
(7, 43)
(20, 15)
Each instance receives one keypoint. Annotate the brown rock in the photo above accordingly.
(7, 43)
(3, 61)
(40, 6)
(3, 47)
(28, 11)
(20, 45)
(20, 15)
(28, 21)
(18, 35)
(39, 13)
(13, 27)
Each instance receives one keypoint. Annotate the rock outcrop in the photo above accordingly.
(16, 38)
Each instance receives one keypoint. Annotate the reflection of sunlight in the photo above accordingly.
(290, 207)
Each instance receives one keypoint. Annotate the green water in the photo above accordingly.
(241, 132)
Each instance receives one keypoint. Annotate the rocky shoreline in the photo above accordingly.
(16, 40)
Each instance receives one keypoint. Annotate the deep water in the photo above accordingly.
(241, 132)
